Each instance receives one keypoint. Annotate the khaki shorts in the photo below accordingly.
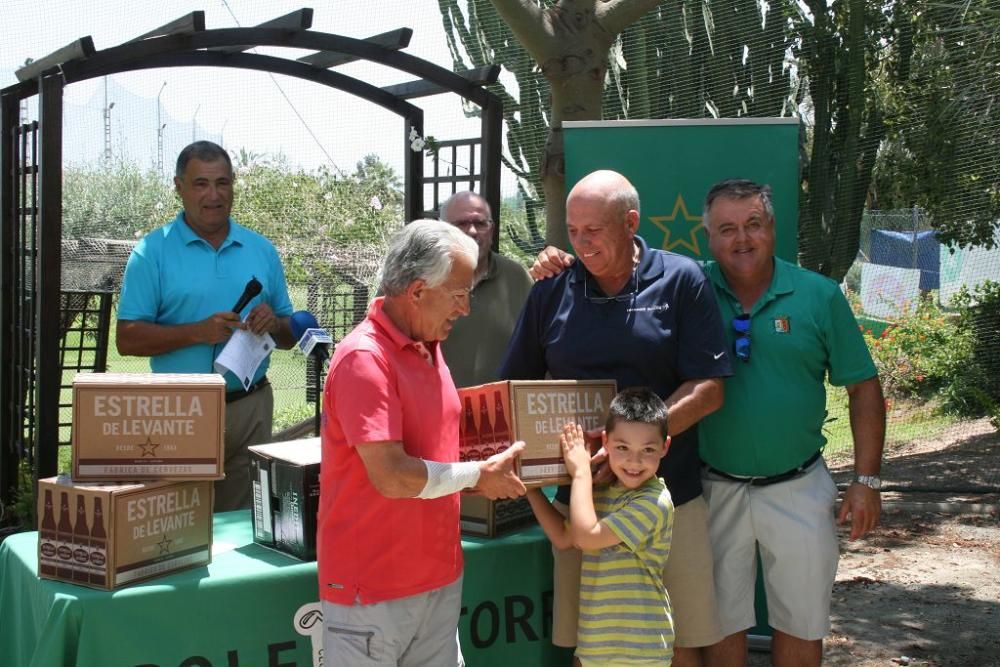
(793, 525)
(688, 577)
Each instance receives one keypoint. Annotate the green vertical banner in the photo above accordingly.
(673, 163)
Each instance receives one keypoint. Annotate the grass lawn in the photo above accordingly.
(904, 422)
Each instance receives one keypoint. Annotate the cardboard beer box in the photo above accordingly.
(535, 411)
(285, 479)
(144, 426)
(489, 518)
(111, 535)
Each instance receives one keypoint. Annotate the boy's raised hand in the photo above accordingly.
(576, 454)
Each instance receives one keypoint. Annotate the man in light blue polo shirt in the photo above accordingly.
(765, 482)
(181, 283)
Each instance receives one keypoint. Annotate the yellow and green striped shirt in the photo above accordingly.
(624, 608)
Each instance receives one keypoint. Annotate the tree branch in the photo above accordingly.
(525, 19)
(616, 15)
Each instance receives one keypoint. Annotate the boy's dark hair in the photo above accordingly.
(637, 404)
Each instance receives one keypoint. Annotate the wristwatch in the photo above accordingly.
(871, 481)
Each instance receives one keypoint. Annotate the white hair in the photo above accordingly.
(423, 250)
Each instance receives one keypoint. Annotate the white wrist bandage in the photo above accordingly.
(446, 478)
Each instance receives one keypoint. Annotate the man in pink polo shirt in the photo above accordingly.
(390, 554)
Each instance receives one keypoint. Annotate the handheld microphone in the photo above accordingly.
(313, 341)
(252, 289)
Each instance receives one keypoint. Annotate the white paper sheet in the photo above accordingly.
(243, 355)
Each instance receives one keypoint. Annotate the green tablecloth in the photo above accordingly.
(242, 610)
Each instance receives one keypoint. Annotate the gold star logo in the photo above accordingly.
(164, 545)
(149, 447)
(689, 224)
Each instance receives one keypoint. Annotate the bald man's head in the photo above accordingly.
(470, 212)
(608, 187)
(602, 217)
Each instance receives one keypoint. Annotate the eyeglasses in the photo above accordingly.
(460, 296)
(741, 346)
(628, 296)
(480, 225)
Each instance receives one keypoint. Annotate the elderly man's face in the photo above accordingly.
(602, 238)
(440, 306)
(206, 191)
(741, 237)
(472, 216)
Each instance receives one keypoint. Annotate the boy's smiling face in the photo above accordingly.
(634, 451)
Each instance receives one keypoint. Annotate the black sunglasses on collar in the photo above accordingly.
(627, 296)
(741, 346)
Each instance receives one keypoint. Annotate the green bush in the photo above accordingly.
(979, 309)
(927, 355)
(115, 201)
(289, 416)
(306, 214)
(20, 513)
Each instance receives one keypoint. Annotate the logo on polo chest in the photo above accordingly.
(655, 308)
(782, 324)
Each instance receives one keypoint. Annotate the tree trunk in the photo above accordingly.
(569, 41)
(847, 132)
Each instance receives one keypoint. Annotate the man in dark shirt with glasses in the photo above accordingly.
(643, 317)
(477, 342)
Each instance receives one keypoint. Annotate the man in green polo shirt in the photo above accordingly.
(765, 482)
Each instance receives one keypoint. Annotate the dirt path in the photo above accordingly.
(925, 588)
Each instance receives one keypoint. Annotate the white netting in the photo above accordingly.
(321, 176)
(931, 316)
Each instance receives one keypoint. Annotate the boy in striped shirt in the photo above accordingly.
(624, 531)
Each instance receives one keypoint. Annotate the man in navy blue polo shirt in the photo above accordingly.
(645, 318)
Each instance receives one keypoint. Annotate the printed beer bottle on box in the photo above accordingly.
(48, 539)
(64, 539)
(468, 437)
(98, 546)
(501, 432)
(81, 543)
(487, 446)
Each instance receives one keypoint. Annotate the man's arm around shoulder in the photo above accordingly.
(692, 401)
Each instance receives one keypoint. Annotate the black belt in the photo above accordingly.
(773, 479)
(233, 396)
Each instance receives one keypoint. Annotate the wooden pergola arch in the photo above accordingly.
(31, 187)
